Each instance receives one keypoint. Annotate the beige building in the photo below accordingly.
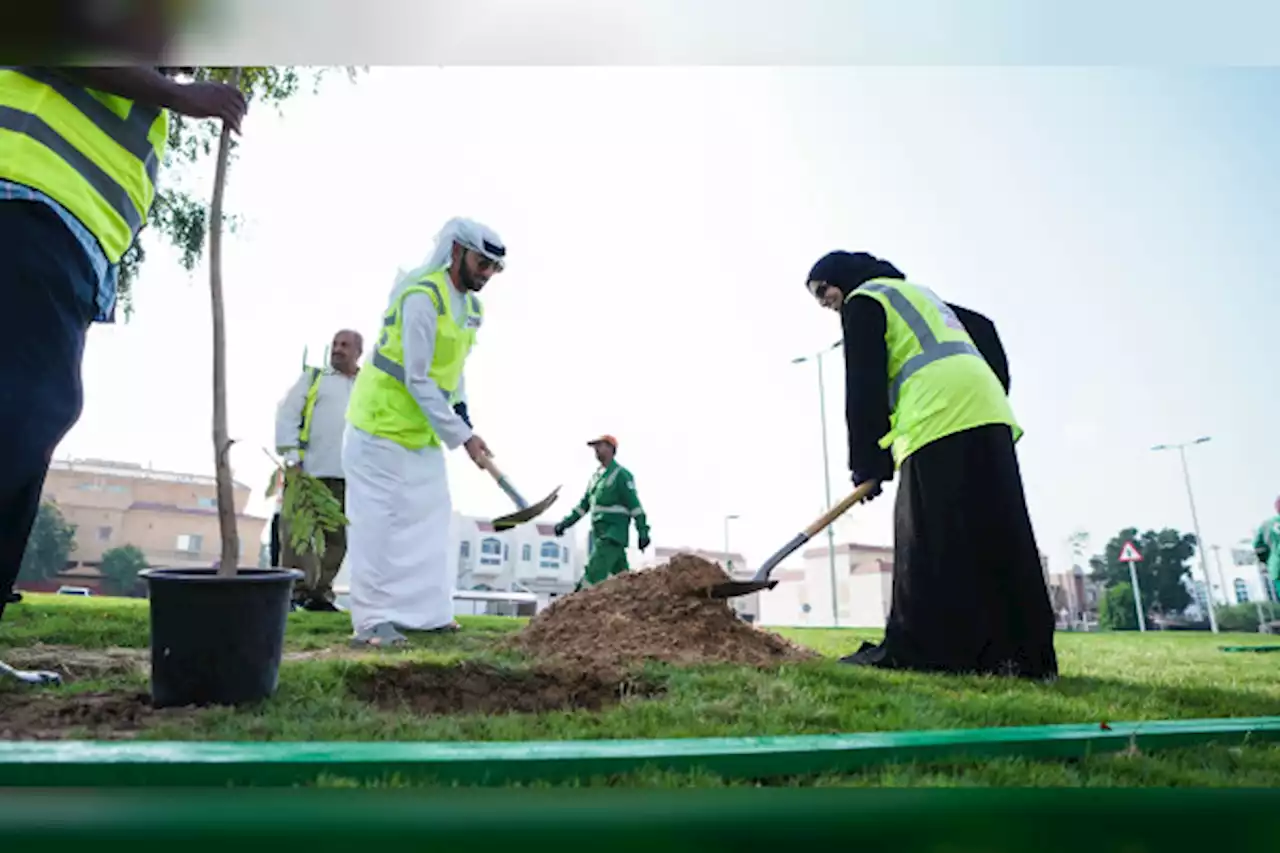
(1075, 596)
(863, 586)
(172, 518)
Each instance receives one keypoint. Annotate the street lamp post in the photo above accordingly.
(728, 558)
(1195, 523)
(826, 474)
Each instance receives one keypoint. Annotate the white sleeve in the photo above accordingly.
(419, 333)
(289, 413)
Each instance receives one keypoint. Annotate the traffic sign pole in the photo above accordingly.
(1129, 554)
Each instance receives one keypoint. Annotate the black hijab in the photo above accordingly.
(850, 270)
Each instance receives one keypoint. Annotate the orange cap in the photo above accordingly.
(604, 439)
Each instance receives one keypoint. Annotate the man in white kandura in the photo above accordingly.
(408, 404)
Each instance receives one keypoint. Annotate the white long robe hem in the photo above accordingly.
(398, 541)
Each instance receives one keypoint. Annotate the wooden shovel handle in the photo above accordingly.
(486, 462)
(840, 508)
(503, 483)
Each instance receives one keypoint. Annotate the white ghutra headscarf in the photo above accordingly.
(465, 232)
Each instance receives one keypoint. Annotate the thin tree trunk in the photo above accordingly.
(230, 561)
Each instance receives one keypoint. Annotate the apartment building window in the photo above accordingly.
(190, 543)
(526, 553)
(1242, 591)
(464, 550)
(104, 534)
(490, 552)
(207, 503)
(564, 553)
(550, 554)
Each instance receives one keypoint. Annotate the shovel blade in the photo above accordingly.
(529, 513)
(733, 589)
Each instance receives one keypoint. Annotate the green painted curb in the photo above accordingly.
(194, 763)
(995, 820)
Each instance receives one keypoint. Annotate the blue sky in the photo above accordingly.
(1116, 224)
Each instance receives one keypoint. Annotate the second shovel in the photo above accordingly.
(524, 511)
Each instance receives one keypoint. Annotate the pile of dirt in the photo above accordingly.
(53, 715)
(660, 614)
(472, 687)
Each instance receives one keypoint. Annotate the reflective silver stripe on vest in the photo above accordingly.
(931, 349)
(389, 367)
(431, 285)
(34, 127)
(380, 361)
(131, 132)
(615, 510)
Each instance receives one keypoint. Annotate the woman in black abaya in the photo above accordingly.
(969, 595)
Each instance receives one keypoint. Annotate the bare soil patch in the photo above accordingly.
(473, 687)
(51, 714)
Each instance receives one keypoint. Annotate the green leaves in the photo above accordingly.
(51, 543)
(310, 511)
(1166, 560)
(180, 216)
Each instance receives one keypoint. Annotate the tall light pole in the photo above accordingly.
(727, 556)
(826, 473)
(1195, 523)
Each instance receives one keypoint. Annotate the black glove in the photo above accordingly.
(558, 530)
(644, 541)
(875, 491)
(460, 409)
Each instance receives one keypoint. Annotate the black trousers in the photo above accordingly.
(47, 282)
(969, 594)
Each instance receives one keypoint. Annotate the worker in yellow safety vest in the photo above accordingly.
(310, 422)
(80, 149)
(408, 405)
(927, 395)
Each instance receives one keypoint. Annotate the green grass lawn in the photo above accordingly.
(1111, 677)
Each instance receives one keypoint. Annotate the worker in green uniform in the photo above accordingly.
(1266, 545)
(612, 502)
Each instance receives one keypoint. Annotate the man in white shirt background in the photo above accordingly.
(309, 424)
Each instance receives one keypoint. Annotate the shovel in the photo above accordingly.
(25, 677)
(732, 589)
(524, 512)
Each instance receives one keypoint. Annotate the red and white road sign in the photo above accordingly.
(1129, 554)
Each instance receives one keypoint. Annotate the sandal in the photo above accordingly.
(379, 636)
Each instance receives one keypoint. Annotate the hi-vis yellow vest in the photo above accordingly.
(380, 403)
(95, 154)
(939, 383)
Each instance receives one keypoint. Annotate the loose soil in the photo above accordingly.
(473, 687)
(659, 614)
(49, 714)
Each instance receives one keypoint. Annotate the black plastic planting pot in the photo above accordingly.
(217, 640)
